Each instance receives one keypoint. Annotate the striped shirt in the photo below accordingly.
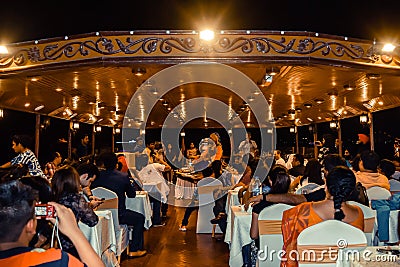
(29, 159)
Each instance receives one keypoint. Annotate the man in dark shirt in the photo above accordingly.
(82, 149)
(298, 165)
(120, 183)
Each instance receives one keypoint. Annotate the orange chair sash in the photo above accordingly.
(269, 227)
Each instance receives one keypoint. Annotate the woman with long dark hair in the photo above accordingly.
(312, 174)
(66, 189)
(340, 183)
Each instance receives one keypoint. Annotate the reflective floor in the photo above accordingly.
(167, 246)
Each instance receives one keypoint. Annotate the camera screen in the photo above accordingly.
(40, 210)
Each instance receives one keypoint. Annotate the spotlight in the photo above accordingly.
(139, 71)
(207, 35)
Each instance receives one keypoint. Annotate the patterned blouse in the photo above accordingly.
(82, 211)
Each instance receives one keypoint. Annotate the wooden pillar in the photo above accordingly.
(371, 131)
(113, 140)
(297, 139)
(37, 135)
(339, 129)
(93, 138)
(70, 139)
(315, 141)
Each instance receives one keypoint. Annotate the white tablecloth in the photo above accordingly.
(141, 204)
(232, 200)
(102, 237)
(157, 190)
(237, 234)
(184, 189)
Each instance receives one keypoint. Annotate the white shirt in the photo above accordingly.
(152, 173)
(280, 161)
(247, 146)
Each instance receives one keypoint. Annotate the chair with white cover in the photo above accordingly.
(394, 186)
(377, 192)
(308, 188)
(270, 233)
(206, 187)
(369, 220)
(325, 236)
(111, 203)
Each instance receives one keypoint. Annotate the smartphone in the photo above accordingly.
(43, 211)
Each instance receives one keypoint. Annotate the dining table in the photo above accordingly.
(141, 203)
(237, 233)
(102, 237)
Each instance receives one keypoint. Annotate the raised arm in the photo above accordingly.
(69, 227)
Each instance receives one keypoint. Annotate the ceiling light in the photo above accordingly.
(39, 107)
(273, 71)
(3, 50)
(332, 125)
(207, 35)
(308, 105)
(298, 109)
(363, 118)
(98, 128)
(310, 120)
(319, 100)
(251, 98)
(348, 87)
(27, 104)
(182, 134)
(388, 48)
(139, 71)
(373, 76)
(34, 78)
(165, 103)
(154, 91)
(269, 130)
(75, 125)
(58, 89)
(117, 130)
(380, 103)
(292, 129)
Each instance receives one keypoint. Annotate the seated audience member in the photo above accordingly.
(87, 174)
(153, 173)
(387, 168)
(279, 182)
(278, 158)
(66, 186)
(368, 174)
(330, 161)
(312, 174)
(340, 182)
(20, 145)
(298, 167)
(219, 208)
(18, 224)
(51, 166)
(120, 183)
(207, 172)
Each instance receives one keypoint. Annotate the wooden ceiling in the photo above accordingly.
(91, 78)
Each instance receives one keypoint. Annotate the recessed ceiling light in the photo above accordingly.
(373, 76)
(39, 107)
(139, 71)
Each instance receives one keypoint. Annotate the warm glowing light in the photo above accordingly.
(3, 49)
(363, 118)
(182, 133)
(98, 128)
(75, 125)
(117, 130)
(207, 35)
(388, 48)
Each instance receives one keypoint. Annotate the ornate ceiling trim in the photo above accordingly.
(114, 45)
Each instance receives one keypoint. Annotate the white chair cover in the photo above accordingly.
(369, 221)
(206, 186)
(377, 192)
(270, 233)
(121, 231)
(325, 235)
